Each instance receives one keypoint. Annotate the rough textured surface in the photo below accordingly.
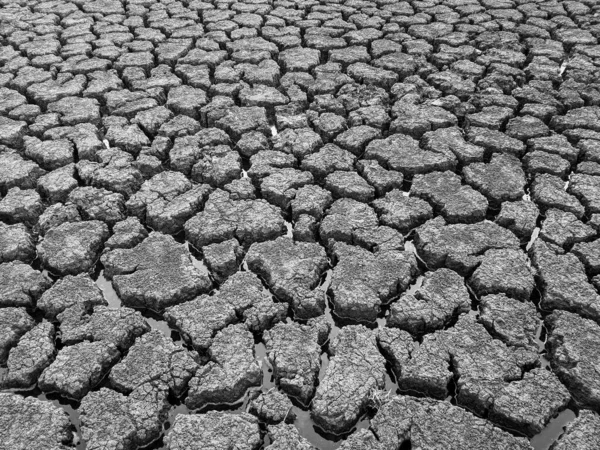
(70, 291)
(402, 212)
(231, 370)
(72, 248)
(259, 178)
(502, 179)
(20, 285)
(427, 423)
(215, 431)
(15, 323)
(287, 437)
(78, 368)
(581, 433)
(119, 326)
(32, 423)
(290, 269)
(564, 282)
(564, 229)
(503, 271)
(155, 274)
(112, 420)
(30, 357)
(572, 354)
(241, 298)
(126, 234)
(455, 202)
(294, 351)
(166, 201)
(272, 407)
(442, 297)
(356, 370)
(519, 217)
(515, 323)
(363, 281)
(154, 358)
(16, 243)
(458, 247)
(485, 384)
(223, 218)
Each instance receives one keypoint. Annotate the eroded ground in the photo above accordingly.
(353, 224)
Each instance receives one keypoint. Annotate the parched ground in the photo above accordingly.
(303, 224)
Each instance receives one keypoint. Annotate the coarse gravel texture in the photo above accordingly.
(299, 224)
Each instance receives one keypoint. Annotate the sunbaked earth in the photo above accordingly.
(303, 224)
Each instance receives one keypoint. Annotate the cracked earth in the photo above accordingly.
(299, 224)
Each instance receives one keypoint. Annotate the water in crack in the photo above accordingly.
(335, 329)
(533, 238)
(307, 427)
(239, 406)
(311, 433)
(197, 262)
(173, 413)
(155, 320)
(562, 68)
(540, 339)
(409, 246)
(67, 406)
(303, 422)
(261, 355)
(415, 286)
(290, 229)
(554, 429)
(108, 291)
(73, 417)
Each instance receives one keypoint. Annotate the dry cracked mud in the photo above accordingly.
(299, 224)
